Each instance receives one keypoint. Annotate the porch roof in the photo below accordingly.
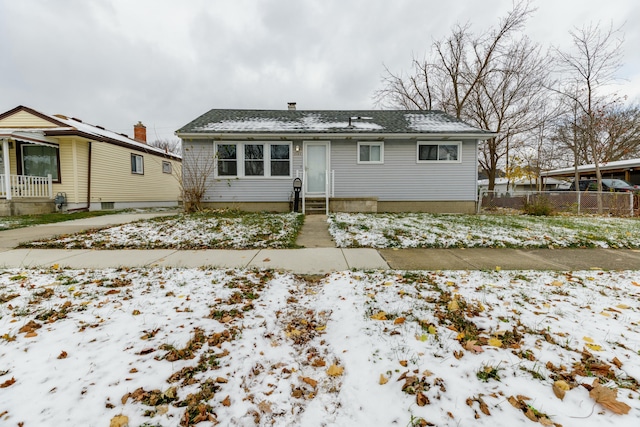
(31, 136)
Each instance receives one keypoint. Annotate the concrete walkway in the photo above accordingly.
(319, 255)
(315, 233)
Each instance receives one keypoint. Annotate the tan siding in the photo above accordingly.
(71, 181)
(112, 180)
(23, 119)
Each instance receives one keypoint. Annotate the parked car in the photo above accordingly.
(617, 185)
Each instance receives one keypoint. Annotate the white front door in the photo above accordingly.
(316, 165)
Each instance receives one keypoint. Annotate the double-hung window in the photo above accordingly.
(40, 160)
(253, 159)
(137, 164)
(439, 152)
(370, 152)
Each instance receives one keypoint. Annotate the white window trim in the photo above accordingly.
(370, 162)
(141, 171)
(169, 167)
(267, 159)
(458, 143)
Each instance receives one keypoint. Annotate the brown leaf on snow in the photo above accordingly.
(30, 327)
(226, 401)
(8, 383)
(62, 355)
(560, 387)
(607, 398)
(383, 379)
(313, 383)
(403, 363)
(335, 370)
(472, 347)
(399, 321)
(421, 399)
(318, 362)
(119, 421)
(617, 362)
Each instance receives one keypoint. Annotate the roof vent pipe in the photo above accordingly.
(292, 106)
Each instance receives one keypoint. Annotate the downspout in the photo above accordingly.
(89, 180)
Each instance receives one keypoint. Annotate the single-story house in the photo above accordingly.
(629, 170)
(48, 160)
(523, 185)
(367, 161)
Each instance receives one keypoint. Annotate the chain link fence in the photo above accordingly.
(585, 202)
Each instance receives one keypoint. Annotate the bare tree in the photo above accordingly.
(168, 145)
(198, 166)
(590, 66)
(493, 80)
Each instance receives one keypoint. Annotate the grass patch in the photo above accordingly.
(20, 221)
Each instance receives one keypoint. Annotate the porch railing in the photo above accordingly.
(23, 186)
(329, 187)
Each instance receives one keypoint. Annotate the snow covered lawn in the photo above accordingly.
(221, 229)
(414, 230)
(169, 347)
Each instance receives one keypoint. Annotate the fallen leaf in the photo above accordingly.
(381, 315)
(560, 387)
(265, 407)
(594, 347)
(617, 362)
(8, 383)
(119, 421)
(266, 260)
(623, 306)
(432, 330)
(421, 399)
(383, 379)
(335, 370)
(403, 363)
(399, 321)
(588, 339)
(313, 383)
(226, 401)
(484, 407)
(221, 380)
(472, 347)
(453, 305)
(135, 312)
(30, 334)
(607, 398)
(318, 363)
(557, 283)
(62, 355)
(495, 342)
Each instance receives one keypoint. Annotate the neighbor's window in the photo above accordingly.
(280, 160)
(370, 152)
(166, 167)
(227, 160)
(254, 160)
(40, 160)
(137, 164)
(439, 152)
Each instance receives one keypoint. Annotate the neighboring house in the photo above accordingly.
(629, 170)
(374, 161)
(522, 185)
(42, 156)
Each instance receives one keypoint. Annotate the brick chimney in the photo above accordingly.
(140, 132)
(292, 106)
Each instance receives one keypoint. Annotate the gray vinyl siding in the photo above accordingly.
(401, 177)
(243, 189)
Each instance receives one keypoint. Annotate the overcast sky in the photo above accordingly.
(164, 62)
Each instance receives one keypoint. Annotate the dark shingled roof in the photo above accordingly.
(329, 121)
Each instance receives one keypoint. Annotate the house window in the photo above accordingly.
(166, 167)
(40, 160)
(370, 152)
(137, 164)
(438, 152)
(280, 160)
(254, 160)
(227, 160)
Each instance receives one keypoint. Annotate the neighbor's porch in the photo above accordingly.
(19, 193)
